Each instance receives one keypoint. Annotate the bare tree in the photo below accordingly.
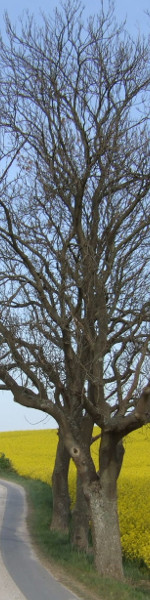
(74, 233)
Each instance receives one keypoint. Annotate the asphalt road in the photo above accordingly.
(22, 576)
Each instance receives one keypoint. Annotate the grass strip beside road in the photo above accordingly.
(73, 568)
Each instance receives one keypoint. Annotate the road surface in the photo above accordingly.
(22, 576)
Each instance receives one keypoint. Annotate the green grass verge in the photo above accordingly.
(78, 566)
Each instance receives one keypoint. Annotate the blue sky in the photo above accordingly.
(134, 10)
(14, 416)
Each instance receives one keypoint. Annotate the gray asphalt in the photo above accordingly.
(19, 558)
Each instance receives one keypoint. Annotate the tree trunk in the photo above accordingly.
(81, 515)
(103, 508)
(101, 493)
(61, 499)
(80, 519)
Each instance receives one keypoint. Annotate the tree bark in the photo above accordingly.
(80, 519)
(103, 508)
(61, 498)
(81, 515)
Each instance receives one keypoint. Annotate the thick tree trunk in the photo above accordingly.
(61, 499)
(101, 493)
(105, 533)
(103, 508)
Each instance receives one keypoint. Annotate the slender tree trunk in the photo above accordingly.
(81, 514)
(61, 499)
(80, 519)
(103, 507)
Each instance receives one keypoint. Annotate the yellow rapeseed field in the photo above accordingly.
(32, 454)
